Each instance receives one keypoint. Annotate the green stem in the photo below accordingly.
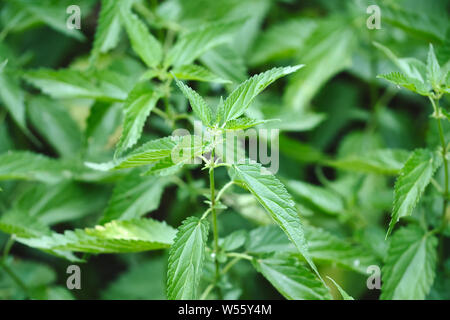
(206, 292)
(442, 227)
(240, 255)
(205, 214)
(444, 159)
(230, 264)
(161, 113)
(214, 218)
(15, 278)
(224, 188)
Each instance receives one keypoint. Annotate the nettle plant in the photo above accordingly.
(282, 258)
(414, 248)
(116, 163)
(190, 246)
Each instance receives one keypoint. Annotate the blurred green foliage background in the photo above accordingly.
(333, 108)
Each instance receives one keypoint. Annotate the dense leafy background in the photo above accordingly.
(71, 99)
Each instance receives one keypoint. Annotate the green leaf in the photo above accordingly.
(254, 13)
(233, 241)
(114, 237)
(198, 73)
(148, 153)
(22, 224)
(142, 41)
(54, 123)
(133, 197)
(327, 51)
(292, 278)
(272, 195)
(3, 64)
(322, 246)
(169, 151)
(142, 281)
(38, 278)
(108, 28)
(69, 84)
(403, 80)
(164, 167)
(57, 293)
(101, 127)
(239, 100)
(186, 258)
(225, 62)
(381, 161)
(413, 72)
(56, 203)
(441, 286)
(282, 40)
(410, 266)
(114, 85)
(198, 104)
(301, 152)
(194, 43)
(52, 14)
(344, 294)
(23, 165)
(247, 206)
(268, 239)
(295, 121)
(414, 177)
(433, 69)
(326, 247)
(412, 68)
(12, 97)
(316, 198)
(412, 19)
(140, 102)
(244, 123)
(446, 113)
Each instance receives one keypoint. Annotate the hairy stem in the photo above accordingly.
(441, 228)
(444, 159)
(214, 218)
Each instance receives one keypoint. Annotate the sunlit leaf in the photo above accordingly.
(116, 236)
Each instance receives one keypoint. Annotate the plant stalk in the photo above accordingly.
(444, 159)
(441, 228)
(214, 218)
